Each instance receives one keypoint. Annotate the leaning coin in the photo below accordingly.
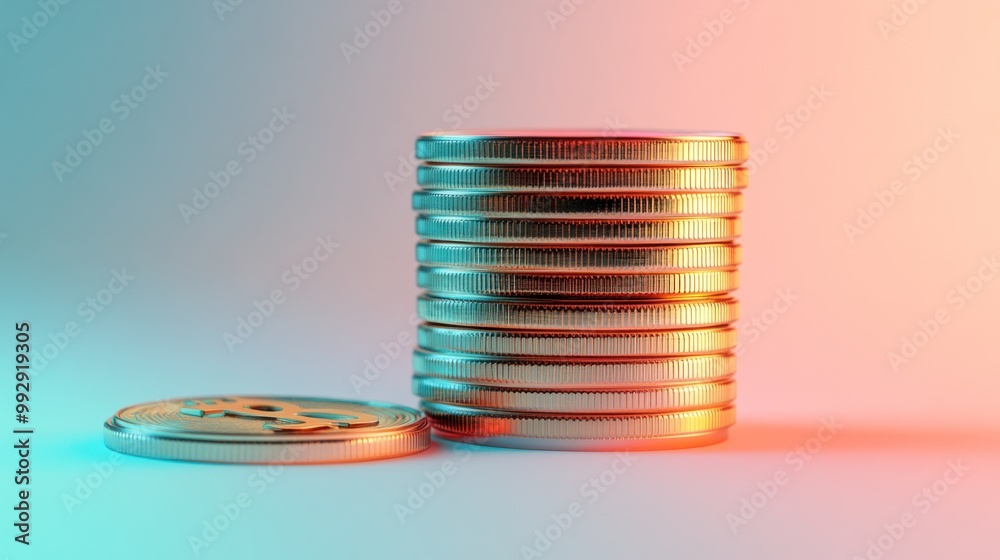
(576, 205)
(581, 258)
(236, 429)
(589, 178)
(578, 232)
(583, 147)
(580, 315)
(687, 283)
(498, 342)
(581, 432)
(619, 400)
(563, 372)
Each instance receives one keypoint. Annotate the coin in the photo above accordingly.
(639, 258)
(494, 342)
(571, 372)
(554, 147)
(454, 282)
(579, 315)
(578, 232)
(619, 400)
(579, 432)
(235, 429)
(588, 178)
(574, 205)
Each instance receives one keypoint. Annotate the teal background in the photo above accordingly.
(607, 64)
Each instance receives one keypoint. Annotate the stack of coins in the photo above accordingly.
(576, 287)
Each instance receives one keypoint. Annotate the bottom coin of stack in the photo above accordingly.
(576, 289)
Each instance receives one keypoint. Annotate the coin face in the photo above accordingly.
(267, 429)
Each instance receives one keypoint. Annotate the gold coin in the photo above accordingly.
(568, 372)
(454, 281)
(583, 432)
(620, 400)
(581, 178)
(575, 205)
(497, 342)
(570, 258)
(578, 232)
(581, 147)
(580, 315)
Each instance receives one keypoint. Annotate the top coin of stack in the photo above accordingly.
(577, 287)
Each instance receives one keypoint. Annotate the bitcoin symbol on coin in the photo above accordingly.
(283, 416)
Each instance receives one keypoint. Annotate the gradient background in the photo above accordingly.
(607, 64)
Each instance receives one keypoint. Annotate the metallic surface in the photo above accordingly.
(594, 258)
(617, 315)
(576, 205)
(578, 232)
(514, 147)
(610, 428)
(498, 342)
(233, 429)
(618, 400)
(570, 372)
(454, 281)
(582, 178)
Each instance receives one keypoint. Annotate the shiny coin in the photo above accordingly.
(567, 372)
(591, 432)
(579, 315)
(582, 178)
(283, 430)
(578, 232)
(492, 342)
(555, 147)
(572, 205)
(455, 282)
(641, 258)
(671, 398)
